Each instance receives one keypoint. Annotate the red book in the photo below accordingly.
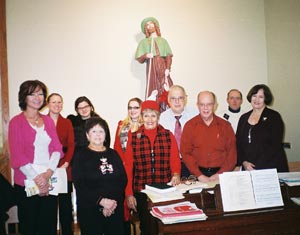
(178, 209)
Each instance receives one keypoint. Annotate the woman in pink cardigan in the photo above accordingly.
(35, 151)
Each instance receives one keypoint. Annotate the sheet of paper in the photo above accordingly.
(296, 200)
(158, 197)
(266, 188)
(58, 181)
(237, 192)
(290, 178)
(196, 185)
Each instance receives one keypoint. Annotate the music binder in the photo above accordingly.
(245, 190)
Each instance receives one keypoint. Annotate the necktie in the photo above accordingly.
(177, 131)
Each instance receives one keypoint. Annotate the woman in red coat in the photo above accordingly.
(65, 134)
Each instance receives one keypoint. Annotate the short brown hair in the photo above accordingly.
(267, 92)
(27, 88)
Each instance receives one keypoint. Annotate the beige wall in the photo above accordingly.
(86, 47)
(283, 50)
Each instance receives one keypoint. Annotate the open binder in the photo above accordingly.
(245, 190)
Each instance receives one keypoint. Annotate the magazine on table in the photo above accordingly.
(178, 213)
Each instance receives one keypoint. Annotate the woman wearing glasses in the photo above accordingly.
(131, 123)
(85, 110)
(151, 157)
(35, 151)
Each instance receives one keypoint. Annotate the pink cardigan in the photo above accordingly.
(21, 137)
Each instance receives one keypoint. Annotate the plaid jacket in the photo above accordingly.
(151, 165)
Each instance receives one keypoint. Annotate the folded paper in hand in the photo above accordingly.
(58, 181)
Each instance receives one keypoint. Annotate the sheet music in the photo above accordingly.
(266, 188)
(244, 190)
(237, 191)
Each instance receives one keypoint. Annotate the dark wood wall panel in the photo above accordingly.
(4, 155)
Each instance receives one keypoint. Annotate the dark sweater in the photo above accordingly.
(261, 144)
(95, 178)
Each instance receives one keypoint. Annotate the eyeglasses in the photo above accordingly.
(208, 105)
(179, 98)
(134, 107)
(189, 180)
(84, 107)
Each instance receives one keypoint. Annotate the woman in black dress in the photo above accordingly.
(100, 179)
(260, 134)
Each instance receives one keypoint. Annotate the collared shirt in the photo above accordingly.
(167, 118)
(208, 146)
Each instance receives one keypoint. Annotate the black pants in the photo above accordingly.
(92, 221)
(142, 208)
(7, 200)
(184, 170)
(209, 171)
(65, 209)
(37, 215)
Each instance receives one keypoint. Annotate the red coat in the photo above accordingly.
(65, 134)
(117, 144)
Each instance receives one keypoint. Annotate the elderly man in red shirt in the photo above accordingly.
(208, 145)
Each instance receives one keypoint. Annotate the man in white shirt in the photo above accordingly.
(233, 113)
(177, 115)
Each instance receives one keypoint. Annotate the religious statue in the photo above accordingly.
(156, 52)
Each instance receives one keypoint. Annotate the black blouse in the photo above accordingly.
(261, 144)
(98, 175)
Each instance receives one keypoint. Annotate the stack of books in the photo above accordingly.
(290, 178)
(178, 213)
(160, 188)
(161, 192)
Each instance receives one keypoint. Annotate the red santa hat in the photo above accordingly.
(150, 104)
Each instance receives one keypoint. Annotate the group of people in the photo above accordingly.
(159, 141)
(149, 147)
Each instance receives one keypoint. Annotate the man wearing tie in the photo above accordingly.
(177, 115)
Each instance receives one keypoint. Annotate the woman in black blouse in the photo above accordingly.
(260, 134)
(85, 110)
(100, 179)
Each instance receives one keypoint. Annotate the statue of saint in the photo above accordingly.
(156, 52)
